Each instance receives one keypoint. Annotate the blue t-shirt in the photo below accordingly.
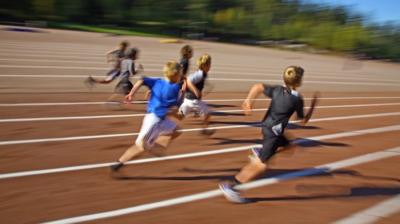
(164, 95)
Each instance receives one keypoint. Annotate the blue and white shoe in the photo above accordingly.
(231, 194)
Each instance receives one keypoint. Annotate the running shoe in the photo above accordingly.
(231, 194)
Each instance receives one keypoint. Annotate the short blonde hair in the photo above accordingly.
(172, 70)
(293, 76)
(203, 61)
(186, 51)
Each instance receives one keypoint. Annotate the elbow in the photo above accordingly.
(258, 88)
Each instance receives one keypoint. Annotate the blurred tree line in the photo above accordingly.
(319, 26)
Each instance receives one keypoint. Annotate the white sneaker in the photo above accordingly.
(231, 194)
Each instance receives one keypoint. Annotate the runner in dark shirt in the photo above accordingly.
(285, 100)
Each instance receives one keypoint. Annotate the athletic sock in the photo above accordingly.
(235, 181)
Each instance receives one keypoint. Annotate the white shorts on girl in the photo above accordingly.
(196, 106)
(152, 128)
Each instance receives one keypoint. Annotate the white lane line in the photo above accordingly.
(325, 168)
(216, 70)
(197, 154)
(207, 100)
(157, 70)
(88, 117)
(89, 137)
(97, 62)
(308, 81)
(375, 213)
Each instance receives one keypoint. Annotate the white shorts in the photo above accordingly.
(196, 106)
(152, 128)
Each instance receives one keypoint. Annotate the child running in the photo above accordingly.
(186, 55)
(156, 127)
(285, 100)
(127, 70)
(192, 101)
(114, 56)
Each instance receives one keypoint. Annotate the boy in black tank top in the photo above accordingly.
(285, 101)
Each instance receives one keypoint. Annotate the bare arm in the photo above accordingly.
(134, 89)
(254, 92)
(174, 112)
(193, 88)
(109, 55)
(310, 111)
(133, 71)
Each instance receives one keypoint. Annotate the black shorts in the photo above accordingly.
(271, 142)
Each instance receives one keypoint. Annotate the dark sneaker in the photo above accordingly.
(207, 132)
(116, 167)
(231, 194)
(89, 82)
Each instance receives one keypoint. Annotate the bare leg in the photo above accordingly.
(206, 122)
(130, 153)
(103, 81)
(248, 173)
(252, 170)
(165, 140)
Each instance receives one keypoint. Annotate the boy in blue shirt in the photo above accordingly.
(156, 127)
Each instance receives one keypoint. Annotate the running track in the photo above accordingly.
(58, 139)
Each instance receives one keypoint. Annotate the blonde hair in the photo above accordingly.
(172, 70)
(203, 61)
(293, 76)
(186, 51)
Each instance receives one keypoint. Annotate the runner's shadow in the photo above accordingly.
(216, 113)
(353, 193)
(297, 126)
(219, 105)
(227, 141)
(254, 124)
(178, 178)
(217, 177)
(304, 142)
(196, 170)
(318, 172)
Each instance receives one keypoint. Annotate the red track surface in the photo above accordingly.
(318, 199)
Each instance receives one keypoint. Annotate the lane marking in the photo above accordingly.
(157, 70)
(373, 214)
(325, 168)
(109, 116)
(217, 69)
(256, 124)
(196, 154)
(207, 100)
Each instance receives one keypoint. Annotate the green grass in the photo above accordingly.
(115, 31)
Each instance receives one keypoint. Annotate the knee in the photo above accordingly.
(140, 145)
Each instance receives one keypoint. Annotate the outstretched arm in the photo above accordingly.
(254, 92)
(134, 89)
(310, 111)
(109, 55)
